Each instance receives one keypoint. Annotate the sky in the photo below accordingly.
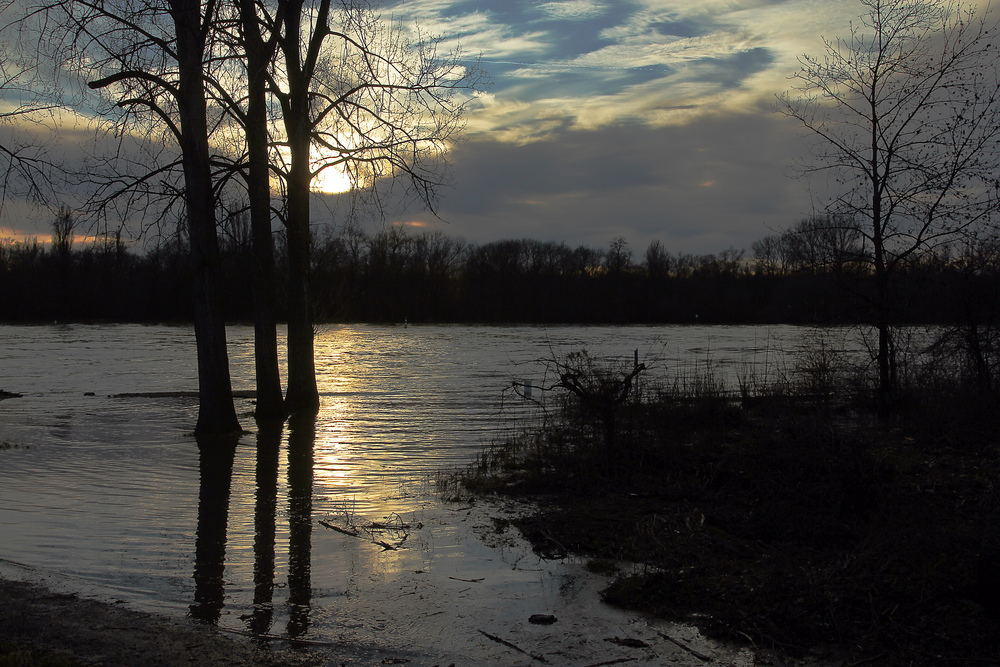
(649, 119)
(642, 119)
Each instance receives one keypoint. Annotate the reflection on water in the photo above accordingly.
(216, 460)
(301, 439)
(264, 518)
(115, 496)
(216, 475)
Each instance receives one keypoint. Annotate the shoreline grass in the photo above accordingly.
(783, 514)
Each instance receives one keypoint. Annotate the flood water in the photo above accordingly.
(103, 493)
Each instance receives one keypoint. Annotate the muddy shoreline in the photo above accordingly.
(91, 632)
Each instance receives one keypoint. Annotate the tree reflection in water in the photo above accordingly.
(301, 440)
(216, 468)
(264, 520)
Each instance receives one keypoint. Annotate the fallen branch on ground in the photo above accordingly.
(513, 646)
(700, 656)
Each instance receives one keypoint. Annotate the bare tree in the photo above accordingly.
(821, 243)
(257, 55)
(351, 93)
(618, 258)
(355, 96)
(903, 114)
(149, 60)
(658, 261)
(62, 233)
(29, 168)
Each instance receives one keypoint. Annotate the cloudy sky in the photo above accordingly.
(648, 119)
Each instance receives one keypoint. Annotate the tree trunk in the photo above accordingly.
(883, 359)
(885, 376)
(303, 394)
(216, 412)
(885, 365)
(270, 403)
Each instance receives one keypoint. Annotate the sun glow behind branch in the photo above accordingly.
(331, 181)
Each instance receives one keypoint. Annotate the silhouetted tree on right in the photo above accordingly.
(904, 117)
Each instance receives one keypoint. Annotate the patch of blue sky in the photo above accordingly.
(732, 70)
(565, 34)
(577, 35)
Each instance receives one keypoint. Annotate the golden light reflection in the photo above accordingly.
(334, 434)
(333, 442)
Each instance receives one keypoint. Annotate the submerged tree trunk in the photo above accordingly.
(216, 411)
(270, 403)
(303, 395)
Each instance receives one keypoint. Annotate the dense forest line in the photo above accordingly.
(803, 275)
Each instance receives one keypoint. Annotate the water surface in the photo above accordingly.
(105, 494)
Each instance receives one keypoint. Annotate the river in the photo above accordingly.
(100, 493)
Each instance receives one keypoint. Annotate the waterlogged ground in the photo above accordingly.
(333, 532)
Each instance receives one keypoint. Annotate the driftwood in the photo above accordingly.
(616, 661)
(352, 533)
(700, 656)
(179, 394)
(617, 390)
(370, 528)
(378, 525)
(627, 641)
(513, 646)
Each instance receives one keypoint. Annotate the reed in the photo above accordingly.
(782, 510)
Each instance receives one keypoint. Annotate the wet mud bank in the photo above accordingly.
(89, 632)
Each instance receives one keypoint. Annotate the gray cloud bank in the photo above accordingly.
(701, 188)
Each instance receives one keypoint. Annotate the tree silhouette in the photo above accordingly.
(903, 114)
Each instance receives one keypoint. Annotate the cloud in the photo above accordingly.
(587, 64)
(715, 183)
(572, 10)
(477, 30)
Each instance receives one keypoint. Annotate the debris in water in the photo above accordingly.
(631, 642)
(542, 619)
(513, 646)
(700, 656)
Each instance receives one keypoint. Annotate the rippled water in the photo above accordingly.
(103, 493)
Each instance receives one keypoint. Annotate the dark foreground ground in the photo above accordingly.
(42, 628)
(810, 532)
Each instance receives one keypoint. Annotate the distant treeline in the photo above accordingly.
(394, 275)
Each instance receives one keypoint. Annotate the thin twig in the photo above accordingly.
(339, 529)
(612, 662)
(513, 646)
(700, 656)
